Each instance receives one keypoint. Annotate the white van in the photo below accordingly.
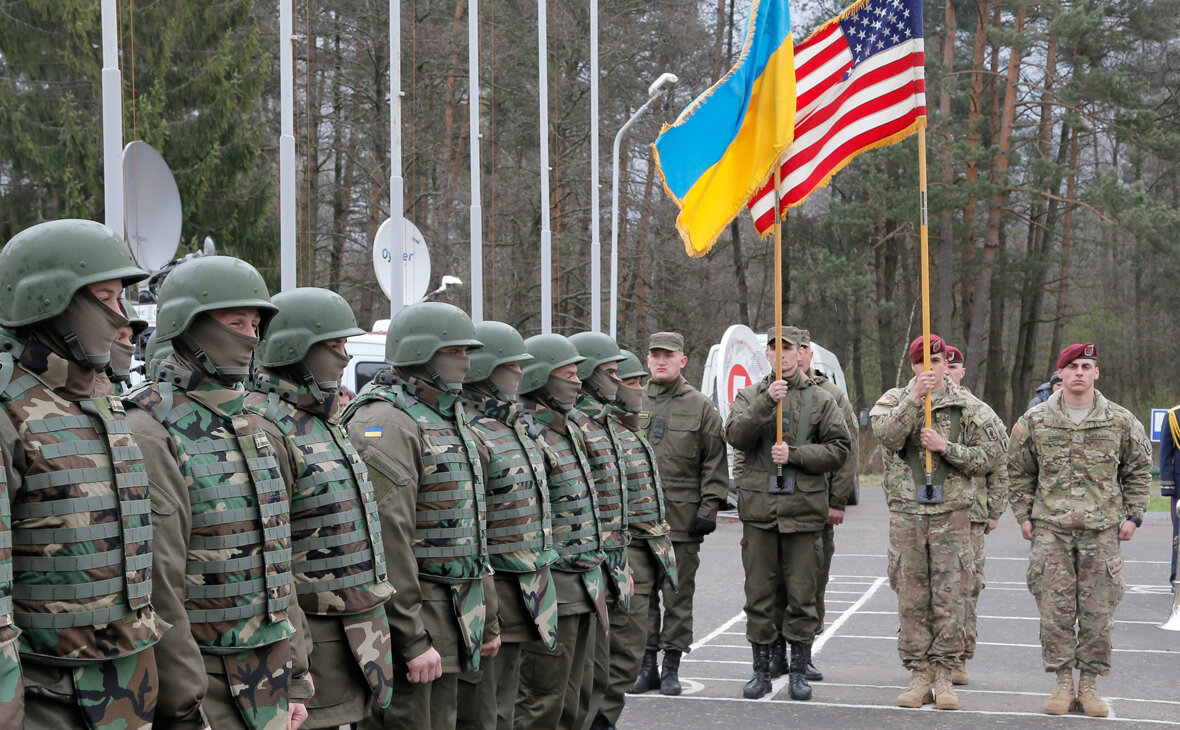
(368, 356)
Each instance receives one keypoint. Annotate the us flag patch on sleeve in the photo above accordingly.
(1017, 432)
(888, 399)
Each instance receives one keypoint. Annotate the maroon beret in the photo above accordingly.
(936, 346)
(954, 354)
(1080, 351)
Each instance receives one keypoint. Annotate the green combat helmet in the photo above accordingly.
(502, 344)
(307, 316)
(420, 330)
(630, 367)
(598, 349)
(42, 267)
(138, 323)
(549, 352)
(203, 285)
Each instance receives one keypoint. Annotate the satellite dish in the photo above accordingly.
(152, 215)
(417, 277)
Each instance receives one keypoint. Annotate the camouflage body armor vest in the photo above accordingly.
(645, 497)
(11, 688)
(82, 553)
(603, 455)
(520, 523)
(337, 555)
(239, 582)
(576, 533)
(449, 540)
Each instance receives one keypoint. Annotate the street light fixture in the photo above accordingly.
(657, 89)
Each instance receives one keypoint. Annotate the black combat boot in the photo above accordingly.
(778, 658)
(797, 685)
(759, 684)
(670, 679)
(601, 723)
(649, 674)
(813, 674)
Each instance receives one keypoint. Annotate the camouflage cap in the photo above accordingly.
(670, 341)
(792, 335)
(804, 338)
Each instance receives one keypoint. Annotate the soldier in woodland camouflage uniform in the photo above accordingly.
(783, 515)
(428, 467)
(238, 645)
(1079, 468)
(551, 680)
(930, 564)
(116, 378)
(81, 538)
(684, 429)
(650, 555)
(520, 526)
(338, 557)
(600, 383)
(991, 499)
(12, 688)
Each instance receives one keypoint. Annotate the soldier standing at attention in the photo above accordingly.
(1079, 469)
(520, 525)
(783, 515)
(337, 555)
(685, 432)
(930, 523)
(991, 499)
(116, 378)
(599, 374)
(80, 577)
(427, 466)
(227, 587)
(650, 555)
(551, 679)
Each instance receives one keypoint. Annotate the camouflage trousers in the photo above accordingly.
(1077, 581)
(671, 626)
(114, 695)
(776, 561)
(12, 688)
(628, 630)
(979, 558)
(930, 569)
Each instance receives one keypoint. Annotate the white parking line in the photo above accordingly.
(1012, 618)
(994, 557)
(1019, 646)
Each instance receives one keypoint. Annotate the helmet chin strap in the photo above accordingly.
(208, 364)
(313, 386)
(70, 336)
(596, 391)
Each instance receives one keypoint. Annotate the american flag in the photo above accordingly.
(859, 82)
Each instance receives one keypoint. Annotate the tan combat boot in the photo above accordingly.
(1092, 704)
(959, 677)
(918, 693)
(944, 692)
(1063, 697)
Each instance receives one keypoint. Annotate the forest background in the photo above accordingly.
(1054, 144)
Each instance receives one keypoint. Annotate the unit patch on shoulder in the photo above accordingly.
(1017, 432)
(889, 399)
(373, 432)
(260, 441)
(117, 406)
(643, 414)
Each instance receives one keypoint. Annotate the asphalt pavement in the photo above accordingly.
(858, 650)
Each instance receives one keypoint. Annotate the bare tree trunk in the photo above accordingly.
(1000, 164)
(739, 271)
(1066, 243)
(971, 170)
(944, 296)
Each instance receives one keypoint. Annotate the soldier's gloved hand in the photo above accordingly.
(699, 527)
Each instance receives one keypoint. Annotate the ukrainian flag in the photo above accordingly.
(724, 145)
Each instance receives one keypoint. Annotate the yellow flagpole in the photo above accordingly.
(925, 284)
(778, 305)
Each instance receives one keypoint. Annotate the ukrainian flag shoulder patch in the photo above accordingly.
(373, 432)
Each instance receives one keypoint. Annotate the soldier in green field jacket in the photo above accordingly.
(783, 516)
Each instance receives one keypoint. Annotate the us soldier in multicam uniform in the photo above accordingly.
(685, 431)
(991, 499)
(599, 373)
(81, 538)
(930, 533)
(338, 558)
(551, 680)
(428, 468)
(1079, 468)
(650, 556)
(520, 526)
(783, 515)
(238, 646)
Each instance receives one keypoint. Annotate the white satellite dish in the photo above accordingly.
(418, 270)
(152, 215)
